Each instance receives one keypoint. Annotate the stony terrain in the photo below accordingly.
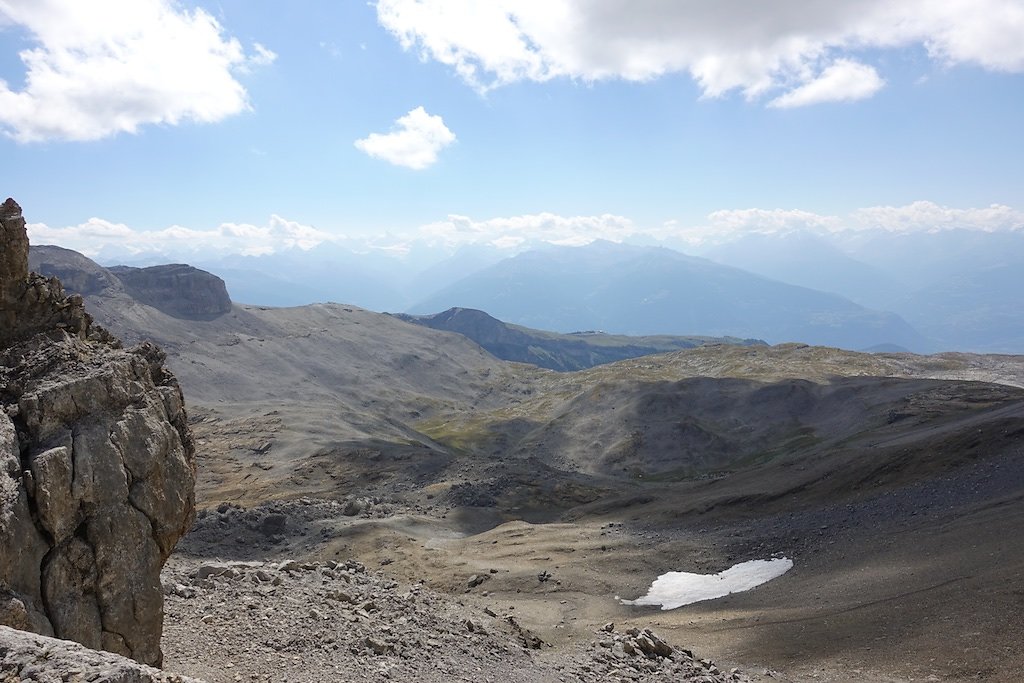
(333, 434)
(31, 657)
(338, 620)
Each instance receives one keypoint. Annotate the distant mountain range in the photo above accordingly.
(960, 288)
(373, 279)
(633, 290)
(867, 289)
(123, 296)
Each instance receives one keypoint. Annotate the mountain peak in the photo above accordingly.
(10, 209)
(13, 249)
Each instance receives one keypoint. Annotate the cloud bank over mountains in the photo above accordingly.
(518, 232)
(916, 217)
(98, 68)
(795, 52)
(96, 235)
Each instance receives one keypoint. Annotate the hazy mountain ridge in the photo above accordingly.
(649, 290)
(124, 295)
(811, 261)
(563, 352)
(955, 288)
(960, 288)
(944, 283)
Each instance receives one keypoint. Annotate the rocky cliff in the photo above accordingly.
(97, 467)
(78, 273)
(177, 289)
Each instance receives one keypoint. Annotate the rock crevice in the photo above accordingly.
(97, 467)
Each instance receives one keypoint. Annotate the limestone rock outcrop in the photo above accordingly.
(14, 256)
(30, 303)
(97, 467)
(177, 289)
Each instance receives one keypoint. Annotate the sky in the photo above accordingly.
(252, 126)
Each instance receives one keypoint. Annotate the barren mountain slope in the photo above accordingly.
(892, 494)
(895, 482)
(320, 379)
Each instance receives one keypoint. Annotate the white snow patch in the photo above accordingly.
(675, 589)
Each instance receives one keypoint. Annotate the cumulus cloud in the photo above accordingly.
(99, 68)
(845, 80)
(925, 216)
(516, 231)
(772, 220)
(729, 224)
(803, 49)
(414, 142)
(96, 236)
(920, 216)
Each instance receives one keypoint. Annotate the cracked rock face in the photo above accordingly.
(97, 468)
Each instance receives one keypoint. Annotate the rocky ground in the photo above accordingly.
(337, 620)
(31, 657)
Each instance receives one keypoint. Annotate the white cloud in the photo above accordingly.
(292, 234)
(925, 216)
(96, 236)
(922, 216)
(414, 143)
(772, 220)
(517, 231)
(843, 81)
(105, 67)
(752, 46)
(262, 55)
(729, 224)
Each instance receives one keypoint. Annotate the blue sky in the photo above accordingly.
(548, 118)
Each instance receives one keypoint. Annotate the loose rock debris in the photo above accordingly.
(313, 621)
